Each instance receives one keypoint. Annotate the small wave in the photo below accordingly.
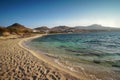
(64, 65)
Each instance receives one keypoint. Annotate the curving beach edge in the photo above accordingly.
(51, 63)
(19, 62)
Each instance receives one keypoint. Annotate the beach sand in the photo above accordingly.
(20, 63)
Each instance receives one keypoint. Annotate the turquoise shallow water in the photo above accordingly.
(92, 47)
(94, 54)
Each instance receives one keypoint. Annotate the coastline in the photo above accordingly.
(17, 63)
(48, 60)
(82, 71)
(20, 62)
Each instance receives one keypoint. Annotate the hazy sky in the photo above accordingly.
(35, 13)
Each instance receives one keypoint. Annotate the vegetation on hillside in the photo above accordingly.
(15, 29)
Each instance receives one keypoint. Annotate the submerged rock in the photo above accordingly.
(97, 61)
(115, 65)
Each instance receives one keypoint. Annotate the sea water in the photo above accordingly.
(101, 48)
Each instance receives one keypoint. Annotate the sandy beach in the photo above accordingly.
(20, 63)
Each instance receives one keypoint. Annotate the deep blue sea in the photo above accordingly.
(90, 47)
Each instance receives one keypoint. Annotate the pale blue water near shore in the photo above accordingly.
(101, 48)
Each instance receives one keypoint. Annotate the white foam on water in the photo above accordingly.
(68, 67)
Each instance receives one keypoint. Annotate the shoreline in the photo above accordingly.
(49, 60)
(20, 63)
(70, 70)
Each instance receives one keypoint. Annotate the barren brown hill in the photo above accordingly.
(59, 29)
(18, 28)
(42, 29)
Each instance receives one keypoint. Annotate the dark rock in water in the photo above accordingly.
(118, 54)
(96, 61)
(111, 46)
(77, 54)
(71, 50)
(115, 65)
(95, 54)
(76, 51)
(92, 41)
(91, 54)
(61, 47)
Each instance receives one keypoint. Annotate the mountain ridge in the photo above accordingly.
(18, 28)
(90, 28)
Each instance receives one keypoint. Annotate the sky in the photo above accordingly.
(36, 13)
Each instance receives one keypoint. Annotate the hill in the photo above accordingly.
(76, 29)
(16, 25)
(59, 29)
(4, 31)
(18, 28)
(97, 27)
(42, 29)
